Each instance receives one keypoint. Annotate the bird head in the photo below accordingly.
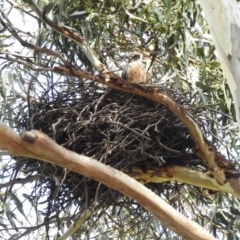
(135, 56)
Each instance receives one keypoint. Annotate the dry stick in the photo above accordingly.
(35, 144)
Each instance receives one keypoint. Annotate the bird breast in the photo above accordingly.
(137, 72)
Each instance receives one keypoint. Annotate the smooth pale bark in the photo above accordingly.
(223, 17)
(37, 145)
(185, 175)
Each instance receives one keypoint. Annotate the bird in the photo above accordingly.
(135, 71)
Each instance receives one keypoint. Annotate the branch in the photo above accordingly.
(69, 33)
(21, 8)
(35, 144)
(218, 166)
(14, 33)
(224, 176)
(181, 174)
(25, 62)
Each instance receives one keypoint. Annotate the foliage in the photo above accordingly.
(175, 36)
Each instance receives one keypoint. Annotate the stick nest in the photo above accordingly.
(113, 127)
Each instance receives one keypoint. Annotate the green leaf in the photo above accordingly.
(168, 8)
(18, 204)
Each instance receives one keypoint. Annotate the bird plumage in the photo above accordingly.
(135, 71)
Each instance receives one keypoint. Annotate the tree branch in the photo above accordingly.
(35, 144)
(218, 166)
(224, 174)
(14, 33)
(181, 174)
(69, 33)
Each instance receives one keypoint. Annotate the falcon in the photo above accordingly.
(135, 71)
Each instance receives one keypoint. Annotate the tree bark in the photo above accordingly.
(35, 144)
(223, 17)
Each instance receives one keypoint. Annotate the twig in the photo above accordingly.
(163, 146)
